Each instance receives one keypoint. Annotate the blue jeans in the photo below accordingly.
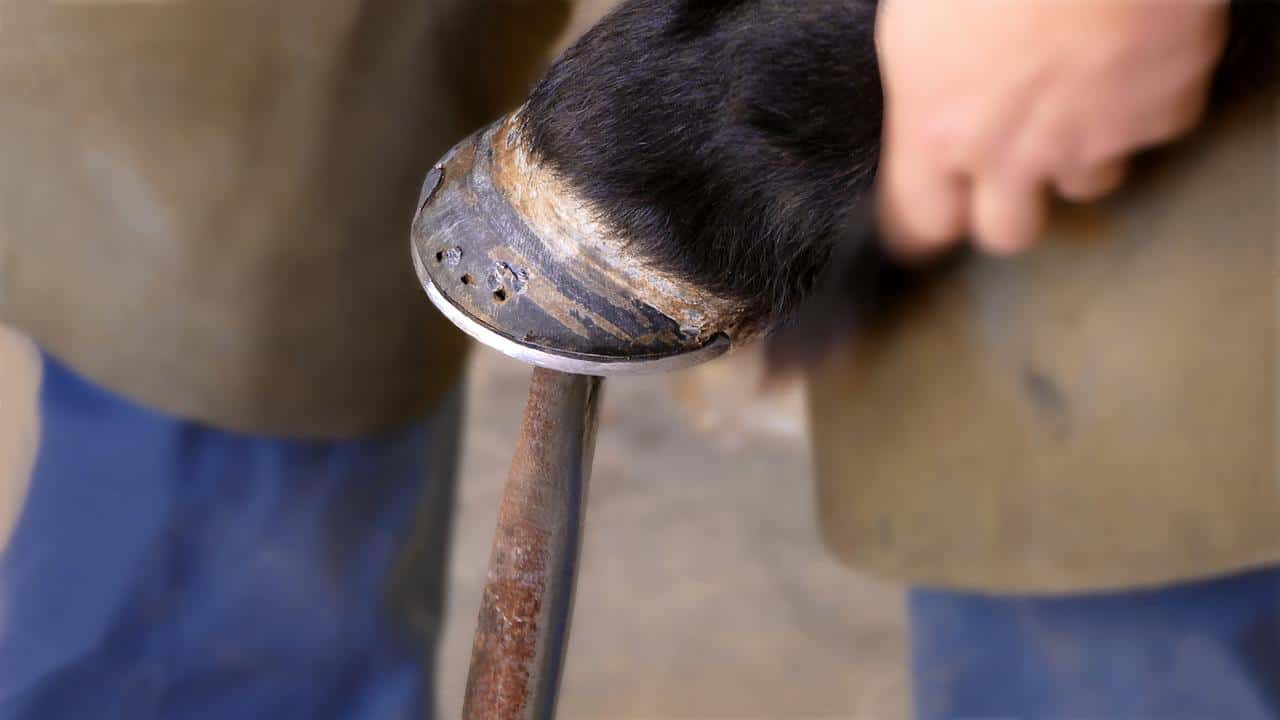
(165, 569)
(1200, 651)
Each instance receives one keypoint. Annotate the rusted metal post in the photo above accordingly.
(518, 655)
(506, 251)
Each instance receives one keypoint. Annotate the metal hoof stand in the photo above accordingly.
(567, 302)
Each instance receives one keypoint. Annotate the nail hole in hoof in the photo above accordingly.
(500, 295)
(466, 279)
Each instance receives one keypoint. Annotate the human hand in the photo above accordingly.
(993, 104)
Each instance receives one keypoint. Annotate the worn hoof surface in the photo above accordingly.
(512, 257)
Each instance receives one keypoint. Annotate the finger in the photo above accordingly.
(920, 203)
(1008, 213)
(1090, 184)
(922, 218)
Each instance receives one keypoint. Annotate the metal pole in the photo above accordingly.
(518, 654)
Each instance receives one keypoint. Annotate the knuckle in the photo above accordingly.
(1037, 160)
(953, 142)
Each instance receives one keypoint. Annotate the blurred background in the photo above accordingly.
(1064, 409)
(705, 591)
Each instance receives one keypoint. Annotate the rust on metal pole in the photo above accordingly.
(518, 653)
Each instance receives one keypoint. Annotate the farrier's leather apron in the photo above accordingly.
(205, 204)
(1098, 414)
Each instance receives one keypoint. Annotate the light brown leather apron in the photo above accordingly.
(1098, 414)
